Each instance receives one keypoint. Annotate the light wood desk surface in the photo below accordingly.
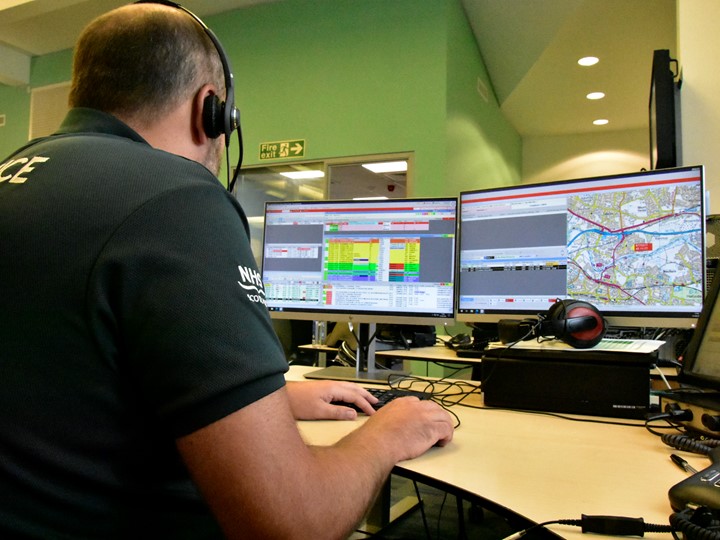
(543, 467)
(436, 353)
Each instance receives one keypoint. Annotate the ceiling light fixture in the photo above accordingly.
(595, 95)
(303, 175)
(588, 61)
(601, 121)
(386, 166)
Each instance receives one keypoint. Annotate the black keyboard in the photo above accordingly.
(385, 396)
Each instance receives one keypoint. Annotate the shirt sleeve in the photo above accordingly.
(177, 292)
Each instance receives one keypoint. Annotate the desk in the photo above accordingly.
(435, 353)
(659, 377)
(426, 355)
(320, 351)
(542, 467)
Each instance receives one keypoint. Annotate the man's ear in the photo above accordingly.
(199, 134)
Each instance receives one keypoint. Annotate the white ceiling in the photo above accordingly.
(530, 48)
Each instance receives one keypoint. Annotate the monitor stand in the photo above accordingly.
(365, 369)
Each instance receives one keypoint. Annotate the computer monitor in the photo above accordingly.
(361, 261)
(633, 245)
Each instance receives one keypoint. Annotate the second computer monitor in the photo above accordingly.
(633, 245)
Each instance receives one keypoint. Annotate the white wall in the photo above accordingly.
(698, 50)
(559, 157)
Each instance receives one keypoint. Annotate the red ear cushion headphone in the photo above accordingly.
(575, 322)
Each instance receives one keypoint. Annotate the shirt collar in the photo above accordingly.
(86, 120)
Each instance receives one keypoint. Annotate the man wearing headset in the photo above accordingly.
(132, 357)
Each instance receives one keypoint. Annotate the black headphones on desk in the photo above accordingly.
(219, 117)
(575, 322)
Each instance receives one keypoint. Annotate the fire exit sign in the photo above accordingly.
(282, 149)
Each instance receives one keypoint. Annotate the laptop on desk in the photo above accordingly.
(699, 375)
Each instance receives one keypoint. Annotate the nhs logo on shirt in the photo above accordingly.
(251, 282)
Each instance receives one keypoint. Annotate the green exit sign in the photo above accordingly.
(282, 149)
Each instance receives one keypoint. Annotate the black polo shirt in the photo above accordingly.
(132, 313)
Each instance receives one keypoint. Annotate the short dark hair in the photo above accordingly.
(142, 59)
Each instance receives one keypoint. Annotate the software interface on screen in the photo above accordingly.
(391, 257)
(631, 244)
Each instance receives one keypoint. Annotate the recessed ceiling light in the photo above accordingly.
(600, 121)
(386, 166)
(595, 95)
(303, 175)
(588, 61)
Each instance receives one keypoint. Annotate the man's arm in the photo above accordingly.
(262, 481)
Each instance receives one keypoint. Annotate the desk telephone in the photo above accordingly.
(696, 500)
(700, 489)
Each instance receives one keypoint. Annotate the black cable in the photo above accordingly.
(441, 394)
(461, 517)
(690, 444)
(667, 417)
(442, 506)
(423, 515)
(502, 350)
(582, 419)
(607, 525)
(441, 391)
(696, 524)
(231, 182)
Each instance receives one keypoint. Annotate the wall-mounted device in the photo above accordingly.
(663, 111)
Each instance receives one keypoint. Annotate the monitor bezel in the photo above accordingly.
(360, 316)
(657, 319)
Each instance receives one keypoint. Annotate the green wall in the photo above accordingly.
(483, 148)
(15, 100)
(51, 68)
(15, 105)
(351, 78)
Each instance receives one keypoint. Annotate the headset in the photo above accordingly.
(577, 323)
(219, 117)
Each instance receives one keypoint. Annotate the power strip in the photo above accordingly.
(703, 419)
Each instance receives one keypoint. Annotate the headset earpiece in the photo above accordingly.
(213, 118)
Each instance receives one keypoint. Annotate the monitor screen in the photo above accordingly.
(633, 245)
(366, 261)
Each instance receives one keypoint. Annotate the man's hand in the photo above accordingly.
(411, 426)
(312, 400)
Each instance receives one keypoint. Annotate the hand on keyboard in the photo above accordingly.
(385, 396)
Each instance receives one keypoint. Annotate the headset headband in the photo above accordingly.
(230, 114)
